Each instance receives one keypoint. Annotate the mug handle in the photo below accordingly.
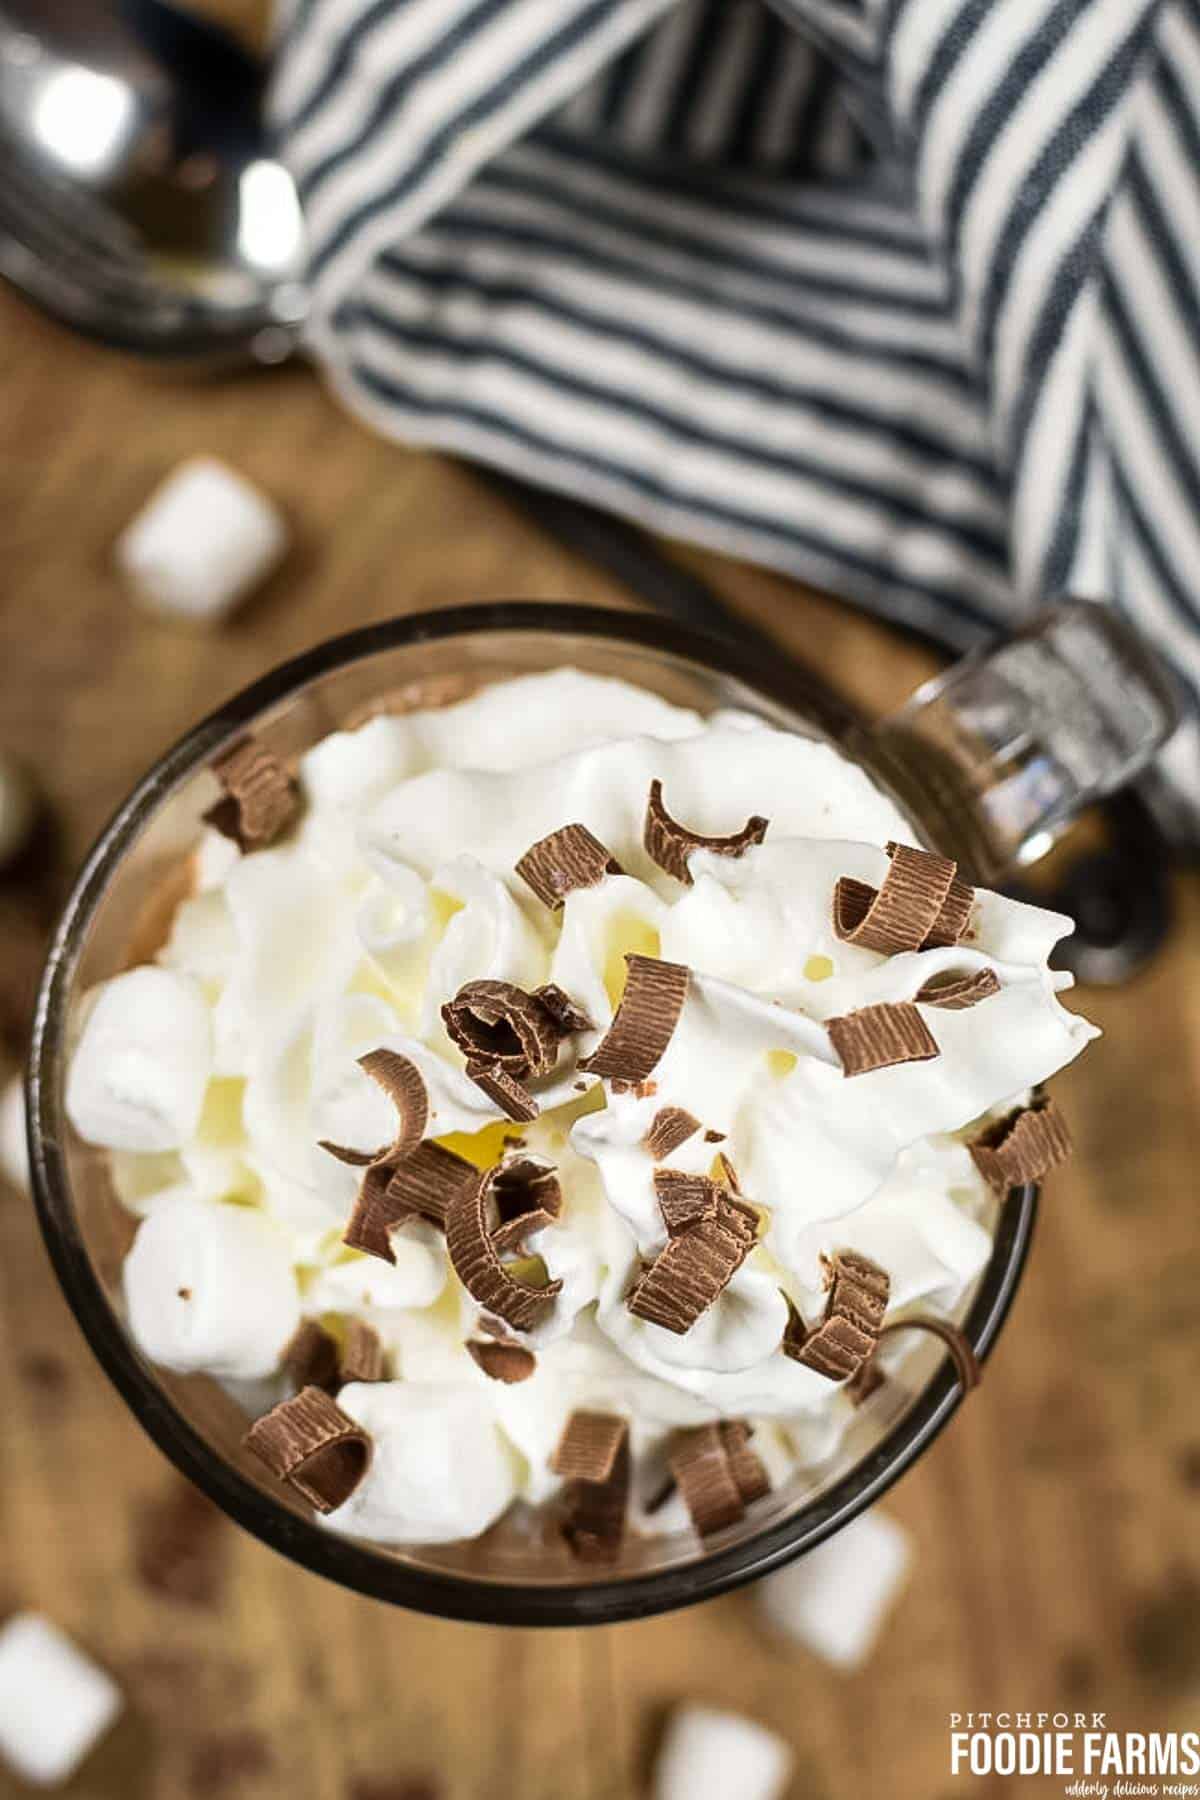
(1001, 752)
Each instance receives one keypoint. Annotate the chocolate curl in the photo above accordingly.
(508, 1363)
(746, 1467)
(670, 1127)
(854, 1313)
(394, 1190)
(567, 1015)
(955, 916)
(594, 1522)
(669, 844)
(685, 1200)
(375, 1214)
(477, 1262)
(569, 858)
(588, 1447)
(880, 1037)
(718, 1475)
(310, 1356)
(362, 1357)
(1023, 1147)
(311, 1443)
(505, 1091)
(694, 1269)
(496, 1022)
(260, 797)
(966, 1363)
(404, 1085)
(645, 1020)
(955, 993)
(921, 905)
(528, 1197)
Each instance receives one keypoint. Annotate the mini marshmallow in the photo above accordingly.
(710, 1755)
(138, 1077)
(210, 1286)
(202, 541)
(18, 807)
(14, 1152)
(833, 1601)
(54, 1702)
(439, 1469)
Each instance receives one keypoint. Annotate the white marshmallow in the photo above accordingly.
(710, 1755)
(138, 1077)
(439, 1468)
(18, 806)
(202, 541)
(14, 1152)
(210, 1286)
(833, 1601)
(54, 1701)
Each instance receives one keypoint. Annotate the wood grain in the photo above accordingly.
(1055, 1523)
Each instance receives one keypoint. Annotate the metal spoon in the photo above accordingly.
(139, 202)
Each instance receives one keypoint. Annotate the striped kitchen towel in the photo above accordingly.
(901, 296)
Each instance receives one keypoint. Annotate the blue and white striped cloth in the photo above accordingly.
(901, 296)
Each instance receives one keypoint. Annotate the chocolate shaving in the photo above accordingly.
(362, 1353)
(847, 1336)
(477, 1261)
(670, 1127)
(919, 904)
(357, 1159)
(588, 1447)
(746, 1467)
(404, 1085)
(669, 844)
(429, 1180)
(966, 1363)
(310, 1356)
(311, 1443)
(508, 1363)
(496, 1022)
(880, 1037)
(955, 916)
(684, 1200)
(504, 1091)
(594, 1521)
(562, 1009)
(714, 1137)
(955, 993)
(694, 1268)
(645, 1020)
(703, 1473)
(569, 858)
(375, 1214)
(394, 1190)
(527, 1197)
(1022, 1147)
(260, 797)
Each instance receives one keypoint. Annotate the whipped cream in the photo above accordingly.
(213, 1076)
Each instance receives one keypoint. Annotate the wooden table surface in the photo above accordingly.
(1055, 1523)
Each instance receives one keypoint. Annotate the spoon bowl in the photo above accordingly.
(140, 203)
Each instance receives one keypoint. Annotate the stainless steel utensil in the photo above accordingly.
(139, 201)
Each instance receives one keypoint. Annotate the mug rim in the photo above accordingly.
(788, 682)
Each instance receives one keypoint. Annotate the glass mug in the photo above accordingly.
(989, 762)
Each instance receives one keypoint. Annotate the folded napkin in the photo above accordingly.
(900, 296)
